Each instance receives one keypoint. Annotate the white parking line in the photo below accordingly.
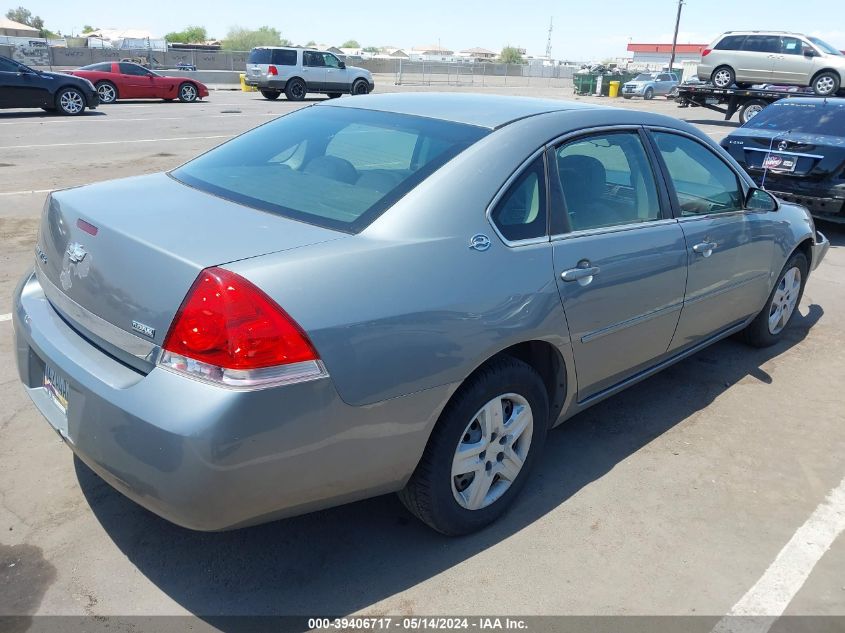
(23, 193)
(167, 118)
(122, 142)
(770, 596)
(6, 317)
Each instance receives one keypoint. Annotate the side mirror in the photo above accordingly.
(760, 200)
(809, 52)
(342, 65)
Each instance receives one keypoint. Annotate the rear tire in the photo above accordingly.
(188, 92)
(272, 95)
(360, 87)
(107, 91)
(750, 109)
(70, 102)
(295, 90)
(768, 326)
(723, 77)
(457, 494)
(826, 83)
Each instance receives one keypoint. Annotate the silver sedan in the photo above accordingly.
(390, 293)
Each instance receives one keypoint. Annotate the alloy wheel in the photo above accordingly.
(722, 79)
(825, 85)
(106, 92)
(784, 300)
(72, 102)
(189, 93)
(492, 451)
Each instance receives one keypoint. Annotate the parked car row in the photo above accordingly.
(71, 92)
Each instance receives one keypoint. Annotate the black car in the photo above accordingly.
(795, 148)
(25, 87)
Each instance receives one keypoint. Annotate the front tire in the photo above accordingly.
(188, 93)
(648, 95)
(826, 83)
(723, 77)
(107, 91)
(360, 87)
(334, 95)
(295, 90)
(481, 450)
(768, 326)
(272, 95)
(70, 102)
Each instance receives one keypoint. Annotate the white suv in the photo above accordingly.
(772, 57)
(298, 71)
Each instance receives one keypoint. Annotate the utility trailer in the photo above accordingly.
(747, 101)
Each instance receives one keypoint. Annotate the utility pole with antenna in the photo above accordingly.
(675, 37)
(549, 41)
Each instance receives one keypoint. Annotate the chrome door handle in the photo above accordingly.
(705, 249)
(583, 275)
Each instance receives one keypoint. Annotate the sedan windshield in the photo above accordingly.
(335, 167)
(824, 117)
(827, 48)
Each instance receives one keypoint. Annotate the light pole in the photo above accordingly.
(675, 37)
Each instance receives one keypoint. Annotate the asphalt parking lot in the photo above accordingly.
(674, 498)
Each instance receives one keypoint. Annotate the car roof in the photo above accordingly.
(840, 101)
(489, 111)
(763, 33)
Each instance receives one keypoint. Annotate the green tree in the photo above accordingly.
(371, 49)
(189, 35)
(311, 43)
(24, 16)
(241, 39)
(89, 29)
(510, 55)
(350, 44)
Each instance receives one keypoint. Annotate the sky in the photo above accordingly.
(582, 29)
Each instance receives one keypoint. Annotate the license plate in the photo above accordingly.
(57, 387)
(779, 163)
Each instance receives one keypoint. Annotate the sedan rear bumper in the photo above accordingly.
(210, 458)
(820, 205)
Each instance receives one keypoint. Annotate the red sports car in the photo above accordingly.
(125, 80)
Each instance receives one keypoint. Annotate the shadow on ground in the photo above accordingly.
(345, 559)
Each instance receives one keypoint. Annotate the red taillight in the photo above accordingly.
(228, 323)
(706, 52)
(272, 70)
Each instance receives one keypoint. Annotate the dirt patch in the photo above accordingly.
(19, 232)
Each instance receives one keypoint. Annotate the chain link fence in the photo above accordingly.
(422, 73)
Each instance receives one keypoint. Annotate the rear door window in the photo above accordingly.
(259, 56)
(762, 44)
(607, 180)
(284, 57)
(730, 43)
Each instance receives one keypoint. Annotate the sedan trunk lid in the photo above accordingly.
(126, 252)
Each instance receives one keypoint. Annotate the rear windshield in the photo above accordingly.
(335, 167)
(259, 56)
(802, 118)
(104, 67)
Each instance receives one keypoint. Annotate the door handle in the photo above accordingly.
(583, 274)
(705, 249)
